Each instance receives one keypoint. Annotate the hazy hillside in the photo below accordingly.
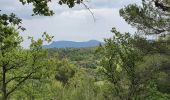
(73, 44)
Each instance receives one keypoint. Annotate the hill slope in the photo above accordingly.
(72, 44)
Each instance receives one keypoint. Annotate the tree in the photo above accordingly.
(164, 4)
(41, 6)
(134, 73)
(119, 59)
(153, 78)
(153, 17)
(64, 71)
(17, 65)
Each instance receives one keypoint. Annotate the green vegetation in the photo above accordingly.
(81, 57)
(125, 67)
(41, 7)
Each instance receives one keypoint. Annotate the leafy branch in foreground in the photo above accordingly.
(41, 7)
(153, 17)
(18, 65)
(118, 64)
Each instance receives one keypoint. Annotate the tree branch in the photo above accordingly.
(161, 5)
(18, 64)
(22, 81)
(89, 11)
(20, 77)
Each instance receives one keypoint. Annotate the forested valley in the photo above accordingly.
(125, 67)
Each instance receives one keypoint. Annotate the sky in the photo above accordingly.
(76, 24)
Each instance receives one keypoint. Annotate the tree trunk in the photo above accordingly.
(4, 91)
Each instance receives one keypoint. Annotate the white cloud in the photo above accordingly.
(75, 24)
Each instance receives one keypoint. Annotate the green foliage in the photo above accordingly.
(154, 94)
(152, 18)
(18, 65)
(148, 18)
(129, 68)
(11, 19)
(119, 59)
(81, 86)
(41, 7)
(155, 67)
(81, 57)
(64, 71)
(70, 3)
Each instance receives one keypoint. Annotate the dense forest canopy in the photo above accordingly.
(125, 67)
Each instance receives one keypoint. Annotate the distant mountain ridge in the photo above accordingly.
(73, 44)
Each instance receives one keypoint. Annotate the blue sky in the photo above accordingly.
(74, 24)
